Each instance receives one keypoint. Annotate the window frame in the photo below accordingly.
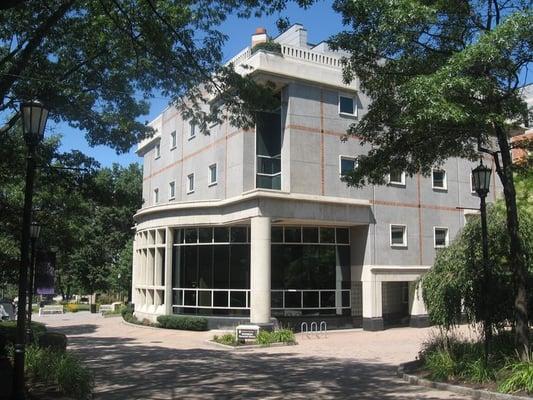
(156, 195)
(347, 96)
(472, 190)
(446, 239)
(209, 175)
(173, 140)
(157, 148)
(189, 181)
(404, 242)
(445, 180)
(172, 190)
(396, 183)
(192, 130)
(344, 157)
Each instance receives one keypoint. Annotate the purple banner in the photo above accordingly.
(45, 273)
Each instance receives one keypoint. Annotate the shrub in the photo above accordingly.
(518, 377)
(54, 341)
(60, 369)
(267, 46)
(440, 364)
(127, 313)
(182, 322)
(266, 338)
(477, 371)
(8, 331)
(228, 339)
(72, 307)
(284, 336)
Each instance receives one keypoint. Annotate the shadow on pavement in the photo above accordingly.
(126, 370)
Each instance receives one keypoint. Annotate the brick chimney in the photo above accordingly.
(260, 36)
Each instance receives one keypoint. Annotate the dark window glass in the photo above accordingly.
(310, 235)
(191, 235)
(177, 267)
(327, 299)
(268, 134)
(205, 266)
(269, 182)
(292, 266)
(345, 299)
(439, 179)
(346, 105)
(293, 235)
(190, 267)
(343, 236)
(276, 299)
(178, 236)
(277, 262)
(293, 299)
(238, 234)
(177, 297)
(189, 298)
(397, 235)
(162, 266)
(326, 268)
(347, 165)
(220, 299)
(327, 235)
(343, 253)
(204, 298)
(205, 235)
(221, 267)
(277, 234)
(239, 266)
(310, 299)
(310, 263)
(238, 299)
(396, 176)
(221, 235)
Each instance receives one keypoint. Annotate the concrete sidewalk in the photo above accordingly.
(140, 363)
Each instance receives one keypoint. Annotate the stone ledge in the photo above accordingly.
(249, 346)
(477, 394)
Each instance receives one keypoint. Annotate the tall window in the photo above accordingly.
(398, 235)
(440, 236)
(268, 150)
(347, 105)
(439, 179)
(347, 165)
(190, 183)
(157, 150)
(212, 174)
(156, 195)
(173, 140)
(192, 130)
(171, 190)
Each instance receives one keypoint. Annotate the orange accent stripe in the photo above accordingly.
(165, 168)
(413, 205)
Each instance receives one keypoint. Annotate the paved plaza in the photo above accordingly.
(132, 362)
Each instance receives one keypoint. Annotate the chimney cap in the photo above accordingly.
(260, 31)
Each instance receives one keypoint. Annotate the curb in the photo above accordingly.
(473, 393)
(249, 346)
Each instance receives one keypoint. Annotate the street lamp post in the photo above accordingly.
(34, 117)
(35, 229)
(481, 182)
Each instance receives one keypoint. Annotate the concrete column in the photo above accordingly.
(260, 271)
(372, 306)
(169, 234)
(417, 308)
(134, 271)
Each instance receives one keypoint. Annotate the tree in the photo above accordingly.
(443, 77)
(454, 289)
(95, 63)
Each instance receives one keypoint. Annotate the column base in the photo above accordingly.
(373, 324)
(419, 321)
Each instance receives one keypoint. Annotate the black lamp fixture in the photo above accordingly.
(34, 117)
(481, 179)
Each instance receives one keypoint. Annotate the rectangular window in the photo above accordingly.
(439, 179)
(190, 183)
(347, 105)
(173, 140)
(472, 186)
(212, 174)
(346, 164)
(157, 150)
(398, 235)
(171, 190)
(397, 178)
(440, 237)
(192, 130)
(156, 195)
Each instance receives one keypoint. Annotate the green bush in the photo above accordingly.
(267, 46)
(266, 338)
(182, 322)
(53, 340)
(518, 377)
(127, 313)
(8, 332)
(60, 369)
(284, 336)
(227, 339)
(440, 364)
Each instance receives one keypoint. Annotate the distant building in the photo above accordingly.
(255, 224)
(520, 154)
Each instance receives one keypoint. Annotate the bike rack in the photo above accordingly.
(302, 326)
(323, 324)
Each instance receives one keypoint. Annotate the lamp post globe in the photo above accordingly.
(34, 117)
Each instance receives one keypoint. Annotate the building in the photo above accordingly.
(258, 223)
(525, 132)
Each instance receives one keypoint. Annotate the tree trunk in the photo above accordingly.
(517, 261)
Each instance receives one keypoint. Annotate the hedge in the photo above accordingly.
(182, 322)
(8, 332)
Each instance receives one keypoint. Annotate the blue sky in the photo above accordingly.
(320, 22)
